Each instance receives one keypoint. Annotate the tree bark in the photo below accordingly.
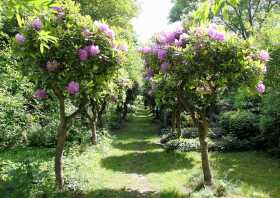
(61, 138)
(203, 131)
(173, 121)
(100, 113)
(93, 122)
(178, 123)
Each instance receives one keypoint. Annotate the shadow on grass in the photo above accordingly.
(148, 162)
(22, 179)
(250, 168)
(137, 146)
(126, 193)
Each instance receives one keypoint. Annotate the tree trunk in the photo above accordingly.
(125, 110)
(203, 131)
(100, 113)
(61, 138)
(173, 121)
(93, 130)
(178, 123)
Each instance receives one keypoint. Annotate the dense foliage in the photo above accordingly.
(204, 64)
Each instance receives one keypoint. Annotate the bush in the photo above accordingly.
(42, 136)
(242, 124)
(167, 137)
(183, 145)
(270, 119)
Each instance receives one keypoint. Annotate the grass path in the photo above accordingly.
(137, 166)
(133, 165)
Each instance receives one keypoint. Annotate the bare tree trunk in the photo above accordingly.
(203, 131)
(173, 121)
(61, 138)
(100, 113)
(93, 122)
(178, 123)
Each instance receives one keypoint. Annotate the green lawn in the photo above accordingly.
(133, 165)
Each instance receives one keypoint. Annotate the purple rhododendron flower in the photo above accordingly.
(170, 37)
(60, 15)
(146, 50)
(150, 73)
(37, 24)
(93, 50)
(184, 37)
(20, 38)
(155, 48)
(110, 33)
(83, 54)
(73, 88)
(164, 67)
(264, 55)
(104, 27)
(41, 94)
(86, 33)
(57, 8)
(178, 43)
(220, 36)
(214, 34)
(114, 98)
(260, 87)
(52, 66)
(161, 54)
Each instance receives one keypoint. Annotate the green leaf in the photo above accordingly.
(19, 20)
(233, 2)
(225, 12)
(216, 8)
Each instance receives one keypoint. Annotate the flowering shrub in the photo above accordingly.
(204, 63)
(64, 52)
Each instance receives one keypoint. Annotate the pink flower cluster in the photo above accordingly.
(145, 49)
(37, 24)
(106, 29)
(20, 39)
(41, 94)
(260, 87)
(89, 51)
(168, 38)
(73, 88)
(59, 11)
(214, 34)
(264, 55)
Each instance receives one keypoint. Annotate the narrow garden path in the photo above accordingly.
(137, 166)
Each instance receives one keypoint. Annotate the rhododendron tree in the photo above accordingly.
(205, 66)
(65, 54)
